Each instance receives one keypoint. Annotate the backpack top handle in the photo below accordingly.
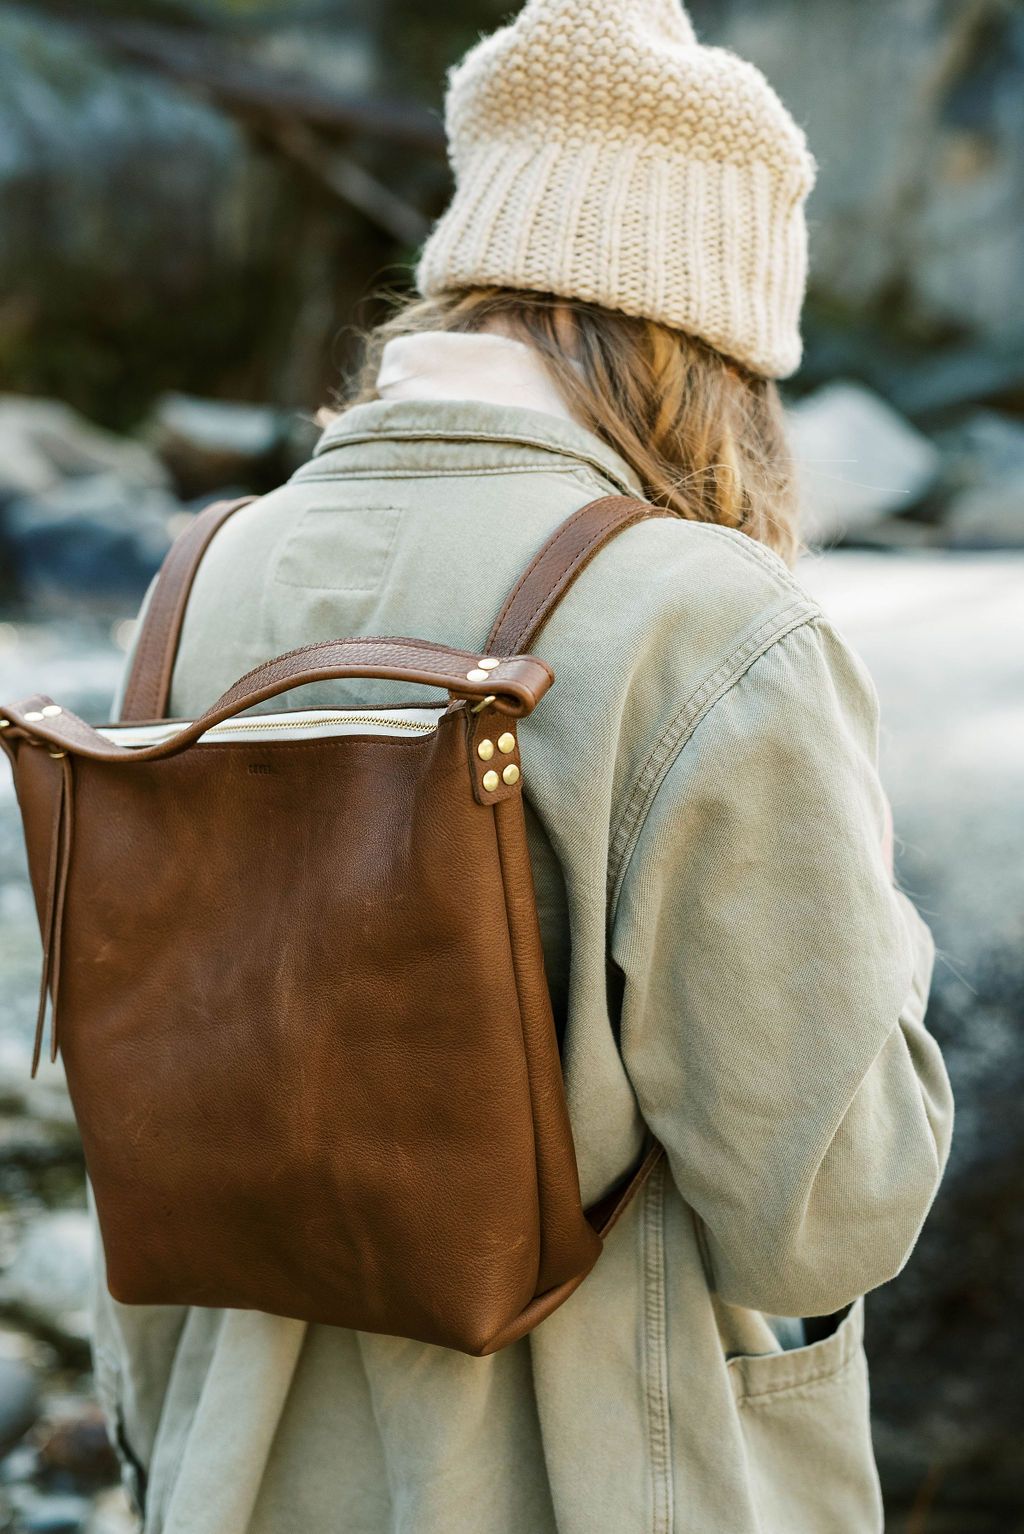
(513, 687)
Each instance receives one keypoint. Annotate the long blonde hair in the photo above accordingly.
(704, 436)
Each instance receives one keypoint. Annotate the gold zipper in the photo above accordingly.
(266, 722)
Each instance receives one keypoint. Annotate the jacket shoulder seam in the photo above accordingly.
(472, 471)
(674, 737)
(758, 554)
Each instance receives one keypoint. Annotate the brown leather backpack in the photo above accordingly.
(295, 964)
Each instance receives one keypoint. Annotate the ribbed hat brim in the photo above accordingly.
(715, 249)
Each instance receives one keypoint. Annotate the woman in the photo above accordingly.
(605, 306)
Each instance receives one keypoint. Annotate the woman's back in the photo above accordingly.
(416, 517)
(621, 270)
(705, 726)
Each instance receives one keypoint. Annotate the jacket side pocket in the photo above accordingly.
(804, 1415)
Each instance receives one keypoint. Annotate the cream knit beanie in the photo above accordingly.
(601, 153)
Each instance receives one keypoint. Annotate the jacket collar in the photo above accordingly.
(529, 435)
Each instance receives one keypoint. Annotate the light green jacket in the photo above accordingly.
(705, 807)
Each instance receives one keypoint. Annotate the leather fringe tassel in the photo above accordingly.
(56, 891)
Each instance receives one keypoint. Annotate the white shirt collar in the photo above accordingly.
(480, 366)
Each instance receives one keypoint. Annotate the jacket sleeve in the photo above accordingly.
(775, 990)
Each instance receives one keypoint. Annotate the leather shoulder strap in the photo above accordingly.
(149, 684)
(527, 608)
(556, 565)
(530, 602)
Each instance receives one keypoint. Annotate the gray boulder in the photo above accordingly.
(50, 1279)
(19, 1392)
(111, 1514)
(44, 442)
(60, 1513)
(74, 1444)
(857, 462)
(98, 539)
(83, 512)
(208, 444)
(107, 170)
(916, 115)
(133, 216)
(984, 479)
(991, 518)
(944, 638)
(985, 448)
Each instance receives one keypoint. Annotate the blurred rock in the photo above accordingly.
(44, 1103)
(983, 481)
(97, 539)
(897, 534)
(148, 241)
(121, 197)
(991, 518)
(984, 448)
(27, 1143)
(76, 1446)
(19, 1393)
(915, 220)
(208, 444)
(76, 660)
(43, 442)
(53, 1514)
(50, 1279)
(111, 1514)
(303, 436)
(857, 461)
(20, 1464)
(944, 638)
(943, 378)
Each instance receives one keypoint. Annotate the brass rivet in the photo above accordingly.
(507, 743)
(491, 780)
(5, 724)
(511, 773)
(485, 750)
(34, 717)
(51, 710)
(58, 756)
(476, 675)
(488, 663)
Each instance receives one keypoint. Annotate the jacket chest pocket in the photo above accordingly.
(805, 1420)
(344, 550)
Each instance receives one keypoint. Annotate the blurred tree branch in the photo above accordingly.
(349, 181)
(297, 116)
(202, 61)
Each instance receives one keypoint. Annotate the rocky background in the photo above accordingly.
(199, 200)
